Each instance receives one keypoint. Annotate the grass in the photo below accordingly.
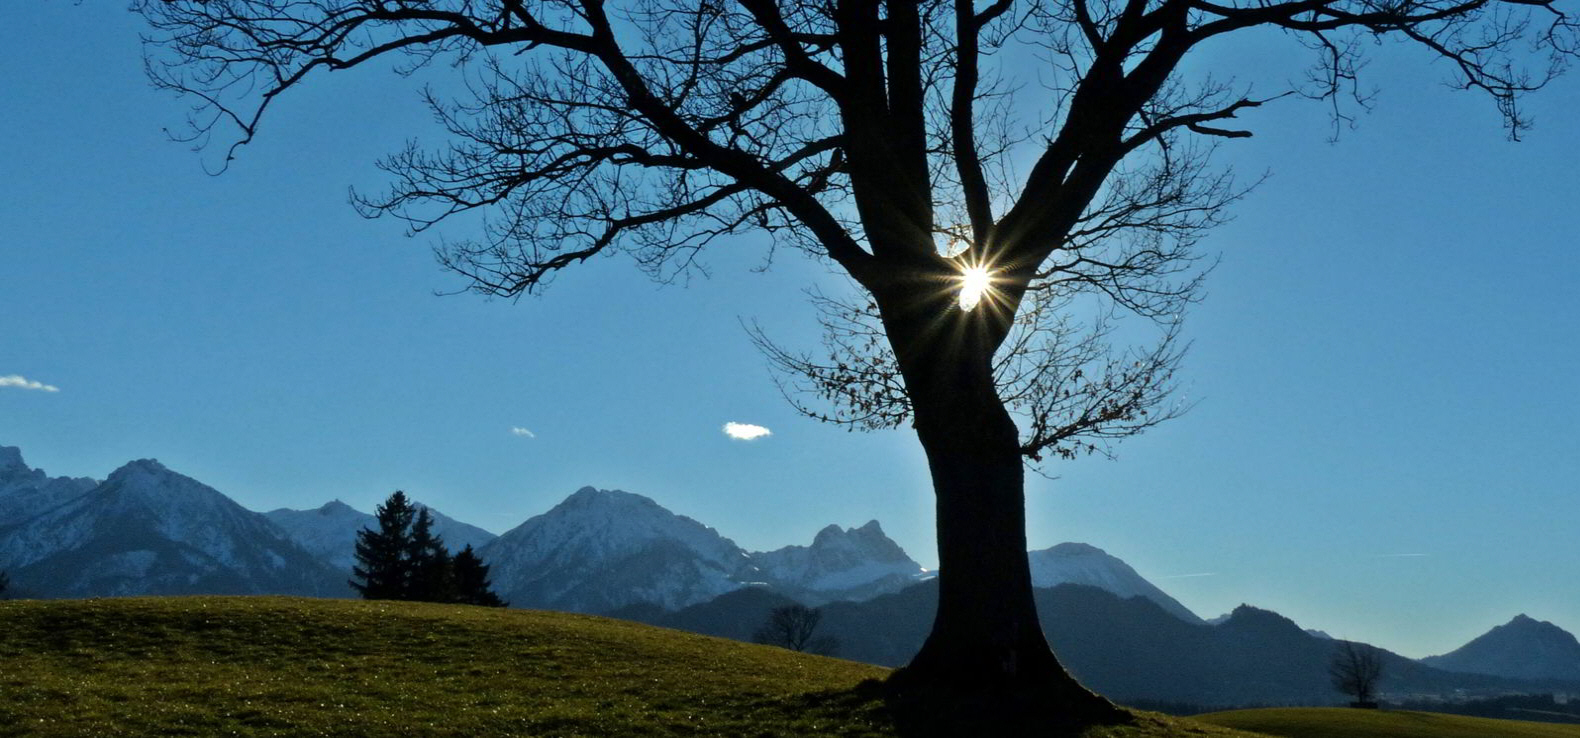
(277, 666)
(1339, 722)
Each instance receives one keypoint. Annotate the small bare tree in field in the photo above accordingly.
(1355, 670)
(795, 627)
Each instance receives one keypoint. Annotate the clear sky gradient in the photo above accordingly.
(1387, 365)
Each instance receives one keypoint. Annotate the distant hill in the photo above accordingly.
(1127, 648)
(149, 530)
(1523, 648)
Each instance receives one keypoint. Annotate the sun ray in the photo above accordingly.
(975, 281)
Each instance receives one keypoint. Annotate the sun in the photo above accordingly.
(974, 283)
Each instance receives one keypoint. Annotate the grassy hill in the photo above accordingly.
(1335, 722)
(259, 666)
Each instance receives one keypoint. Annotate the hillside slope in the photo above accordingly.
(1524, 648)
(1341, 722)
(258, 666)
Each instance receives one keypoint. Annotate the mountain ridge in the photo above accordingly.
(1524, 648)
(149, 530)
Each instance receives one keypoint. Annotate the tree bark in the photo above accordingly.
(986, 641)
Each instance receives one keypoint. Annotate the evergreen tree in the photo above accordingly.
(405, 560)
(383, 556)
(471, 580)
(431, 577)
(5, 581)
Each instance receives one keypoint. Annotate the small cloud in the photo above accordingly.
(17, 380)
(745, 431)
(520, 431)
(1191, 576)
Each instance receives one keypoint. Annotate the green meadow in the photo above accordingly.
(280, 666)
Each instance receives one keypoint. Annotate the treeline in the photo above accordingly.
(1539, 707)
(405, 560)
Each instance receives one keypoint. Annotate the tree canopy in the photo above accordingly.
(984, 172)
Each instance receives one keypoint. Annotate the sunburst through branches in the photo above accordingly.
(975, 282)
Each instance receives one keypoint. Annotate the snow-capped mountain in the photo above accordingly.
(604, 550)
(149, 530)
(1079, 563)
(1523, 648)
(841, 564)
(25, 492)
(330, 532)
(601, 550)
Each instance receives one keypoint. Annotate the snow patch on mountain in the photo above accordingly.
(25, 492)
(841, 564)
(1080, 563)
(600, 550)
(330, 532)
(149, 530)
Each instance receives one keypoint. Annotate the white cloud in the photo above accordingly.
(745, 431)
(520, 431)
(17, 380)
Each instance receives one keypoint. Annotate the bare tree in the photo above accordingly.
(980, 170)
(1355, 670)
(795, 627)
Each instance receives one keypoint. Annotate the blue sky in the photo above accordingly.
(1385, 443)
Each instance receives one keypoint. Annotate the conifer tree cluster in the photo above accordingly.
(405, 560)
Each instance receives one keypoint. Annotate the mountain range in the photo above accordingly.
(149, 530)
(1128, 648)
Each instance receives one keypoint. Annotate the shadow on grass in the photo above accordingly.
(940, 713)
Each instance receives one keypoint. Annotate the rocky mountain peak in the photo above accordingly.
(336, 508)
(11, 458)
(141, 468)
(841, 563)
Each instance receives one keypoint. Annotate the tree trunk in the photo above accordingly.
(986, 645)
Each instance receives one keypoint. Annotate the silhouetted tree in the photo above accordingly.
(795, 627)
(880, 135)
(384, 557)
(406, 560)
(5, 581)
(432, 576)
(471, 580)
(1355, 670)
